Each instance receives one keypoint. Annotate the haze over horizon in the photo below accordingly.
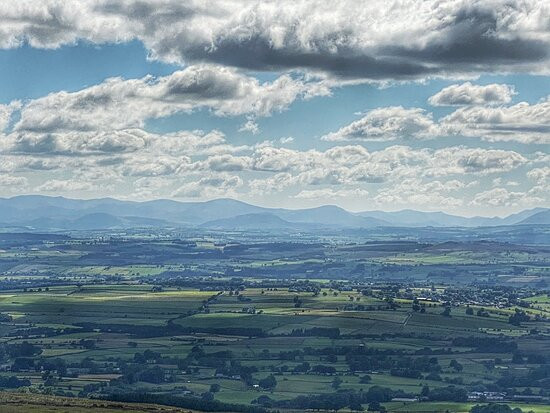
(260, 205)
(279, 104)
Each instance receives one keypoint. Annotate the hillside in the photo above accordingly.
(542, 217)
(38, 403)
(251, 221)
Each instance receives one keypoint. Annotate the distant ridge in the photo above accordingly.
(44, 212)
(542, 217)
(412, 218)
(251, 221)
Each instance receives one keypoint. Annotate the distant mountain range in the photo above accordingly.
(58, 213)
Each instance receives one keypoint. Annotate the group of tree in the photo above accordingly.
(13, 382)
(495, 408)
(335, 401)
(518, 317)
(204, 404)
(268, 383)
(486, 344)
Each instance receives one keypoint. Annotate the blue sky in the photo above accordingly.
(278, 122)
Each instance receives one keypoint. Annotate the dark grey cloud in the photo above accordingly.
(471, 37)
(257, 54)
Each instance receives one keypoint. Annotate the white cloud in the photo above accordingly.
(150, 187)
(400, 171)
(540, 175)
(117, 103)
(119, 143)
(215, 185)
(474, 160)
(385, 124)
(355, 163)
(149, 165)
(274, 183)
(522, 122)
(432, 195)
(38, 164)
(58, 185)
(13, 181)
(501, 197)
(273, 159)
(6, 112)
(250, 126)
(225, 163)
(328, 193)
(468, 94)
(78, 143)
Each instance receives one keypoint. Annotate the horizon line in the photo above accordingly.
(270, 207)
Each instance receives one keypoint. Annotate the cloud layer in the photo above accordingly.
(379, 40)
(196, 164)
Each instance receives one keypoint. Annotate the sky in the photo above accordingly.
(379, 105)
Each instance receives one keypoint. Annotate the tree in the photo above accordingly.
(214, 388)
(469, 310)
(455, 365)
(518, 317)
(6, 318)
(268, 383)
(331, 358)
(425, 391)
(336, 382)
(365, 379)
(153, 375)
(517, 358)
(375, 406)
(494, 408)
(87, 344)
(379, 394)
(302, 368)
(13, 382)
(355, 406)
(25, 349)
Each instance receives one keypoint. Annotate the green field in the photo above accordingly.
(213, 322)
